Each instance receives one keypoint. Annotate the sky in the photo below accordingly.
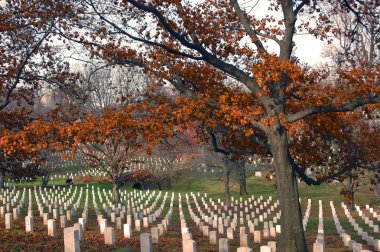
(308, 48)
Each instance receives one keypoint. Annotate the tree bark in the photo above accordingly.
(292, 236)
(377, 183)
(2, 179)
(169, 183)
(377, 190)
(116, 195)
(159, 185)
(227, 184)
(352, 200)
(242, 177)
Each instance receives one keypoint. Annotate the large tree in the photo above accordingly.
(169, 37)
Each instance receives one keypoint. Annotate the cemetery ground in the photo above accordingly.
(206, 185)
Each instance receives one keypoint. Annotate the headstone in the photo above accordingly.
(265, 249)
(272, 245)
(29, 224)
(146, 242)
(109, 236)
(161, 228)
(103, 225)
(257, 236)
(357, 247)
(205, 231)
(155, 235)
(278, 229)
(189, 246)
(376, 245)
(63, 221)
(346, 238)
(145, 222)
(213, 237)
(351, 244)
(244, 249)
(224, 245)
(71, 239)
(138, 225)
(15, 214)
(82, 222)
(78, 226)
(46, 217)
(52, 230)
(127, 231)
(8, 221)
(230, 233)
(244, 240)
(318, 247)
(272, 232)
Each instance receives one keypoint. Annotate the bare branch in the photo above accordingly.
(300, 6)
(20, 69)
(247, 26)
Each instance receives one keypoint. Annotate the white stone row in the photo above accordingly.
(367, 220)
(319, 245)
(306, 215)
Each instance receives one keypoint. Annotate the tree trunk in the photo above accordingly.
(169, 183)
(116, 195)
(353, 200)
(292, 236)
(377, 190)
(351, 190)
(45, 180)
(242, 177)
(2, 179)
(227, 184)
(159, 185)
(377, 183)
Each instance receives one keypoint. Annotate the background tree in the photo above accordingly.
(112, 139)
(112, 86)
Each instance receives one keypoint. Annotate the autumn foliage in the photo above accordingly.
(224, 81)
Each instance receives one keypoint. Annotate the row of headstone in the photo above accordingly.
(143, 218)
(306, 215)
(319, 245)
(367, 220)
(360, 231)
(345, 237)
(13, 203)
(47, 200)
(373, 212)
(216, 222)
(49, 222)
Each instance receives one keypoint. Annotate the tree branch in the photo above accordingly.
(300, 6)
(249, 82)
(122, 31)
(311, 181)
(247, 26)
(20, 69)
(349, 106)
(215, 145)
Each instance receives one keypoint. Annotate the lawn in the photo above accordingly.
(186, 182)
